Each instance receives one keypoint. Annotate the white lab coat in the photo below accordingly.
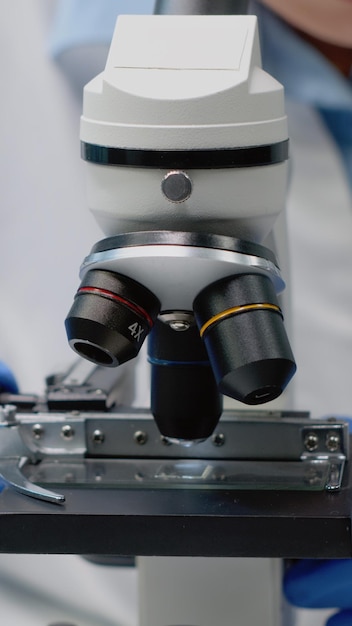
(319, 216)
(46, 232)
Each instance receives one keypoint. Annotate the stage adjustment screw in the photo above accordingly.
(98, 436)
(311, 442)
(140, 437)
(67, 432)
(333, 442)
(38, 431)
(218, 439)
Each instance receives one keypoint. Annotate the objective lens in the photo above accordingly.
(185, 401)
(241, 324)
(110, 318)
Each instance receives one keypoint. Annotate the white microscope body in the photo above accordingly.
(185, 138)
(185, 83)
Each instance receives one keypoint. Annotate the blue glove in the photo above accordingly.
(340, 619)
(7, 380)
(7, 384)
(320, 584)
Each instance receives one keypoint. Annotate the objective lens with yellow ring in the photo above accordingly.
(241, 324)
(238, 309)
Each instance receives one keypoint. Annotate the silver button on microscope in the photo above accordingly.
(176, 186)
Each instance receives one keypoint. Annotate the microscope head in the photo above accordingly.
(185, 142)
(184, 131)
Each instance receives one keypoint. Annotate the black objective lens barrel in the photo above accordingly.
(110, 318)
(241, 324)
(185, 400)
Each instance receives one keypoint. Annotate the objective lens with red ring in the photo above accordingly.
(110, 318)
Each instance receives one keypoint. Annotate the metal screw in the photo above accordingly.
(218, 439)
(67, 431)
(180, 325)
(38, 431)
(311, 442)
(178, 320)
(332, 442)
(98, 436)
(140, 437)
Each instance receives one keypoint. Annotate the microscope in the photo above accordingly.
(185, 141)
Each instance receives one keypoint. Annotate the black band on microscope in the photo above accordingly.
(249, 156)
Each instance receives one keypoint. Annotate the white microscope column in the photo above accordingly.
(188, 83)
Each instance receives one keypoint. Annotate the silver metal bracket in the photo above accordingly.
(250, 450)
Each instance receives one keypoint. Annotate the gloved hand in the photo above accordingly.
(320, 584)
(7, 380)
